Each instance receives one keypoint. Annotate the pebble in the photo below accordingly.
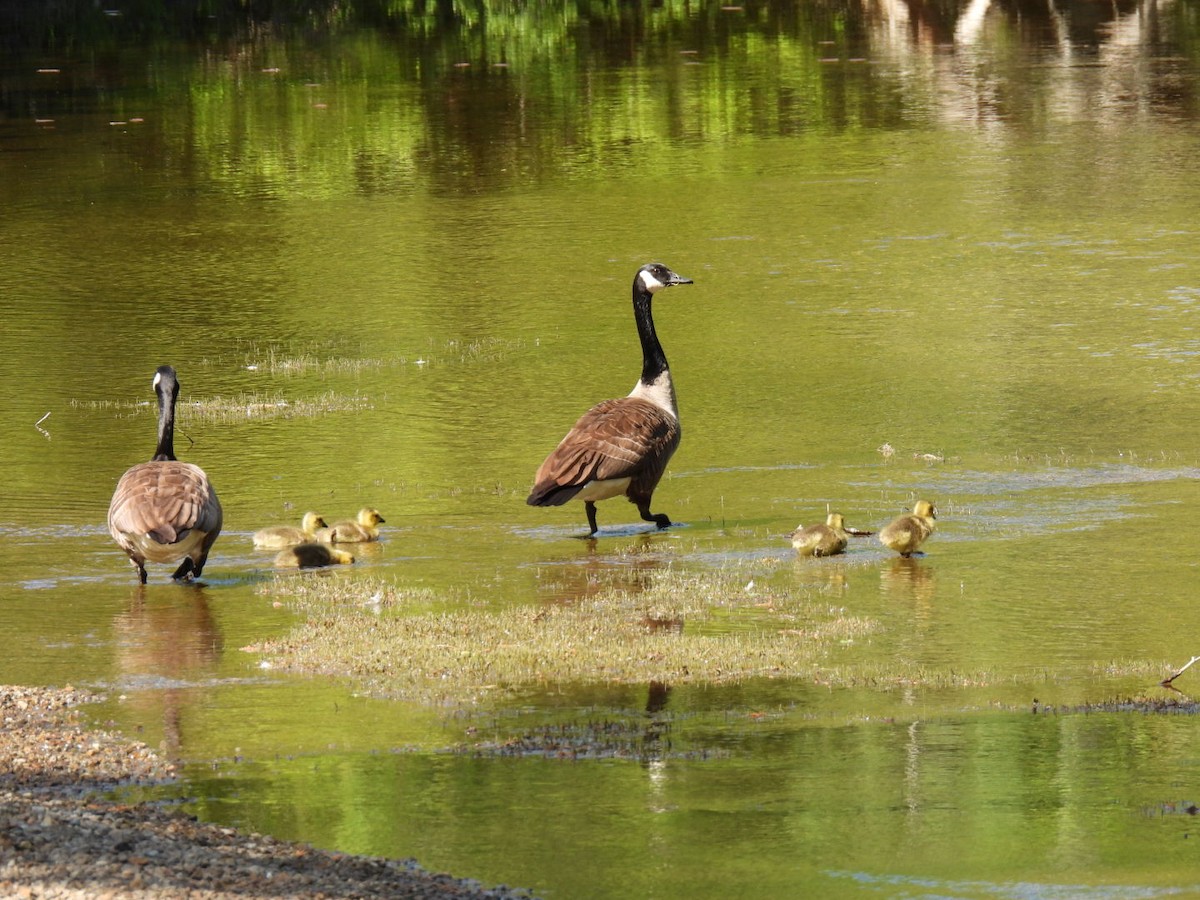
(58, 841)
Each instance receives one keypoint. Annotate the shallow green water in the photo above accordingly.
(967, 236)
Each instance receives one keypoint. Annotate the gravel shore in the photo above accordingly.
(59, 840)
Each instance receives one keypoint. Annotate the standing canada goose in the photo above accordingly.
(906, 533)
(821, 540)
(311, 556)
(280, 536)
(165, 509)
(365, 527)
(621, 446)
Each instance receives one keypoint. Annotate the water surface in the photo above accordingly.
(398, 260)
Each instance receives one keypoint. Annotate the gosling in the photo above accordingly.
(312, 556)
(905, 534)
(282, 536)
(363, 528)
(821, 540)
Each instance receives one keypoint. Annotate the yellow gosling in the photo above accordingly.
(821, 540)
(311, 556)
(905, 534)
(281, 536)
(364, 528)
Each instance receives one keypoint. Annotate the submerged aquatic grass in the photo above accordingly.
(278, 361)
(255, 406)
(685, 628)
(709, 627)
(240, 407)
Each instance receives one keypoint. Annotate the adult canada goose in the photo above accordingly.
(164, 509)
(821, 540)
(621, 446)
(365, 527)
(280, 536)
(906, 533)
(311, 556)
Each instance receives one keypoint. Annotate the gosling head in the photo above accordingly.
(925, 510)
(369, 517)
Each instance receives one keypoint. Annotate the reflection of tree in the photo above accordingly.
(165, 642)
(1098, 57)
(507, 92)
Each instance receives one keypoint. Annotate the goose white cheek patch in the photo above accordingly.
(651, 283)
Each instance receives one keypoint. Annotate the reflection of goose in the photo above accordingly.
(621, 446)
(280, 536)
(364, 527)
(165, 509)
(167, 644)
(821, 540)
(574, 578)
(311, 556)
(905, 534)
(173, 637)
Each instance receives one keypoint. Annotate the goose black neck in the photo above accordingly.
(654, 360)
(166, 423)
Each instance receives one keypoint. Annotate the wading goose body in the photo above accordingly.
(905, 534)
(621, 446)
(165, 510)
(827, 539)
(311, 555)
(364, 527)
(281, 536)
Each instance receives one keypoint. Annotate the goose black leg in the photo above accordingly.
(659, 519)
(591, 514)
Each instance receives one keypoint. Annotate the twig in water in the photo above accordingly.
(1191, 662)
(38, 425)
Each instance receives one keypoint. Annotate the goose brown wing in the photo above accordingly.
(622, 438)
(164, 499)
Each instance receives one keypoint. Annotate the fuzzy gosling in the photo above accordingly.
(363, 528)
(905, 534)
(828, 539)
(312, 556)
(280, 536)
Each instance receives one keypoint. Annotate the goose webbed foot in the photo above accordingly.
(659, 519)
